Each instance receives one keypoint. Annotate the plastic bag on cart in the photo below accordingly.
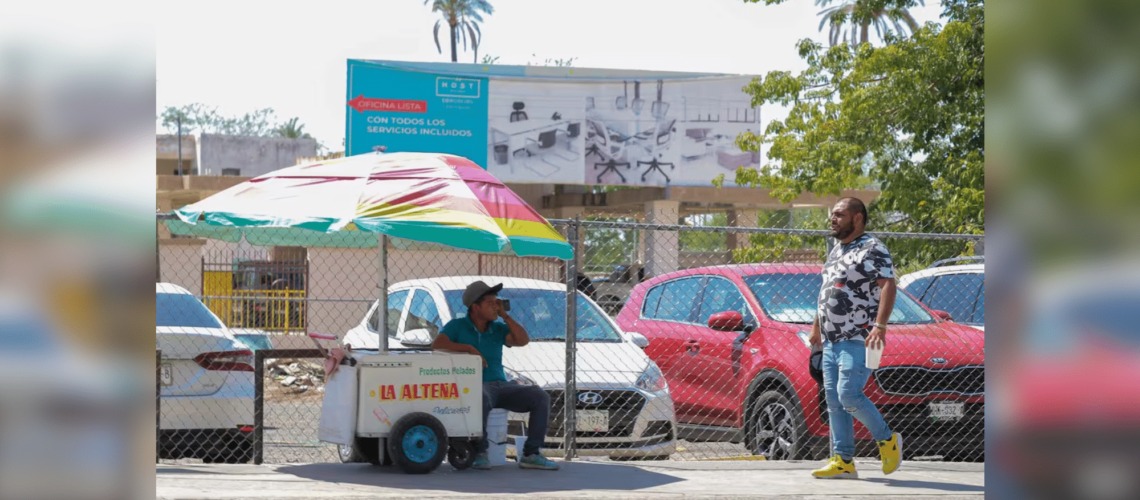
(338, 410)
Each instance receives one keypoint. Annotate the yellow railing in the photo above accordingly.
(271, 310)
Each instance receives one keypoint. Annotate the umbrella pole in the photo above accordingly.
(383, 240)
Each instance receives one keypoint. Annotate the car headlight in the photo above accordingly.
(651, 379)
(513, 376)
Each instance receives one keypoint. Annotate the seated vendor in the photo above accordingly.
(478, 333)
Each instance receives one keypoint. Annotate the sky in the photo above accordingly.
(251, 54)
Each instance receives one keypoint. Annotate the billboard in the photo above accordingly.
(555, 125)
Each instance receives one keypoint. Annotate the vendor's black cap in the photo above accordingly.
(477, 290)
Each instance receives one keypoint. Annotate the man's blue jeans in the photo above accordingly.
(844, 375)
(519, 399)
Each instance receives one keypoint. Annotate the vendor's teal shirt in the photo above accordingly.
(489, 343)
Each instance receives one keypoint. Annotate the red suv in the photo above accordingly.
(732, 344)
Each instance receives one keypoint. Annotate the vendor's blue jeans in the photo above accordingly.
(844, 375)
(519, 399)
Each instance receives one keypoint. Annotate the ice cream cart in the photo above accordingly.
(408, 408)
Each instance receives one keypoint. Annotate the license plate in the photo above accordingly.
(166, 374)
(593, 421)
(947, 412)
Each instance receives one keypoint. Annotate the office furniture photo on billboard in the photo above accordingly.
(595, 137)
(622, 100)
(661, 137)
(545, 143)
(518, 114)
(611, 166)
(733, 157)
(638, 103)
(573, 130)
(513, 137)
(659, 108)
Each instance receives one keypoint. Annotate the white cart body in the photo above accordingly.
(447, 386)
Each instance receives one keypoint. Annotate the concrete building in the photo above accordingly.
(226, 155)
(250, 156)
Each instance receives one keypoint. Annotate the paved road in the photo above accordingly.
(576, 480)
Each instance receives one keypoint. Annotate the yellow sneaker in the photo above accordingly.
(837, 468)
(891, 453)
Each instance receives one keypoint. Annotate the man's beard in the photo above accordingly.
(842, 231)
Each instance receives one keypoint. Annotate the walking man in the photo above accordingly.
(478, 333)
(855, 303)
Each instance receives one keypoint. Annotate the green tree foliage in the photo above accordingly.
(603, 247)
(910, 116)
(887, 19)
(198, 117)
(568, 62)
(773, 247)
(292, 130)
(703, 241)
(462, 18)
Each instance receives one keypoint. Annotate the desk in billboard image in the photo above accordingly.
(411, 111)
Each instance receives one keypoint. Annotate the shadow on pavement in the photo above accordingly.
(505, 479)
(907, 483)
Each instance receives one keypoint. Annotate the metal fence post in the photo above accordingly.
(258, 406)
(157, 405)
(569, 395)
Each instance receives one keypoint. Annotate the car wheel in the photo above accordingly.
(417, 443)
(369, 451)
(777, 429)
(241, 454)
(348, 453)
(461, 453)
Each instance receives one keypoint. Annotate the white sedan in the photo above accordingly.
(623, 405)
(207, 382)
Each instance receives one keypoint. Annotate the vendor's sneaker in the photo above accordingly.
(482, 462)
(837, 468)
(891, 453)
(537, 461)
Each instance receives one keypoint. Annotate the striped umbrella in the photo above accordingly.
(424, 197)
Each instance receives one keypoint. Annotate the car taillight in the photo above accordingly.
(232, 361)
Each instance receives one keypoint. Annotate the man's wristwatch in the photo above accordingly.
(880, 325)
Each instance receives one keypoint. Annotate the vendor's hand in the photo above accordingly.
(500, 311)
(877, 339)
(814, 338)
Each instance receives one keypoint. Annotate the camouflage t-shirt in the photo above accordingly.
(849, 298)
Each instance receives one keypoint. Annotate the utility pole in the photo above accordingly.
(179, 144)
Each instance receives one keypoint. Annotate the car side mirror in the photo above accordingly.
(420, 337)
(638, 339)
(727, 321)
(943, 315)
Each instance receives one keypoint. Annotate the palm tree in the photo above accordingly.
(885, 21)
(292, 130)
(462, 18)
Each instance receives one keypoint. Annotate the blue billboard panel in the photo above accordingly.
(556, 125)
(415, 111)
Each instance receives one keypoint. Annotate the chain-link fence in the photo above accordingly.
(689, 338)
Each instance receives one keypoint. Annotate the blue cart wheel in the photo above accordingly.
(420, 444)
(417, 443)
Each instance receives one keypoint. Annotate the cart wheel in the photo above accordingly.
(461, 453)
(417, 443)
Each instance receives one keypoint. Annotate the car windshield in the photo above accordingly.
(179, 309)
(543, 314)
(791, 298)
